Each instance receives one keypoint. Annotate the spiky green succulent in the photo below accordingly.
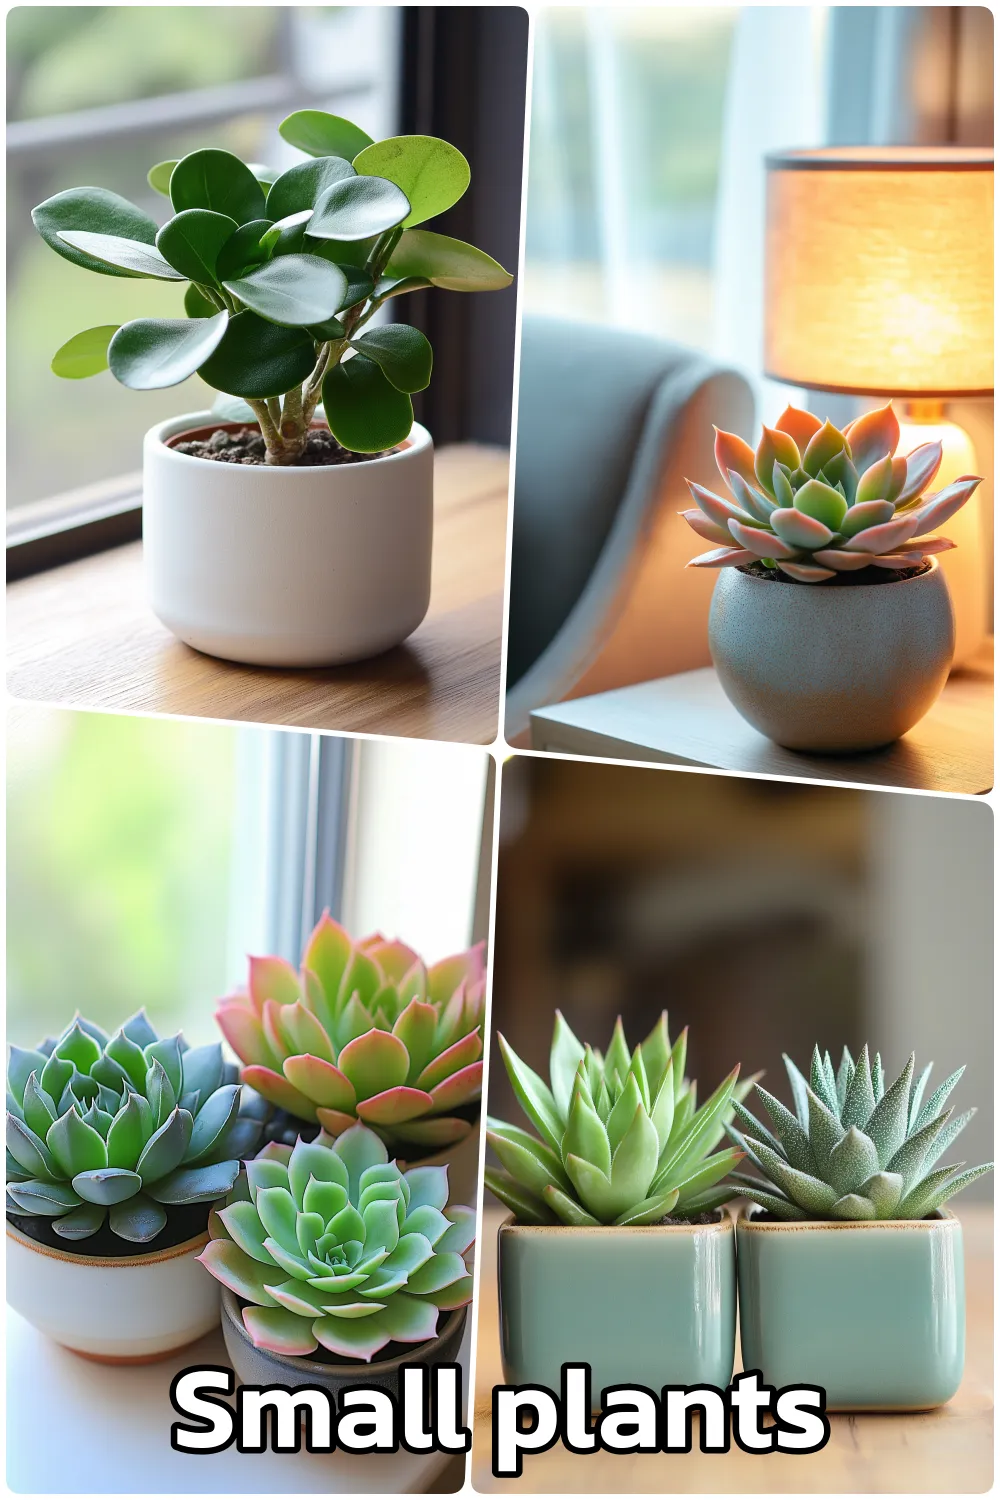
(366, 1031)
(124, 1128)
(813, 501)
(329, 1244)
(853, 1149)
(620, 1137)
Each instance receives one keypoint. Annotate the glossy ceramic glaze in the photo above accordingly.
(128, 1311)
(260, 1367)
(832, 670)
(652, 1305)
(872, 1312)
(287, 567)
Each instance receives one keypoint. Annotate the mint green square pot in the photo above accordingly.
(873, 1312)
(651, 1305)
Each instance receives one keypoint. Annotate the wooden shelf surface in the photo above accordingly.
(687, 720)
(949, 1451)
(83, 635)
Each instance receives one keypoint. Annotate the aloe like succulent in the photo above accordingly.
(853, 1149)
(330, 1244)
(813, 501)
(366, 1031)
(283, 272)
(620, 1137)
(123, 1128)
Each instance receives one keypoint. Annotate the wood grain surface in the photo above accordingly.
(949, 1451)
(83, 635)
(687, 720)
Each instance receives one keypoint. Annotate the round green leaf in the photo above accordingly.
(404, 355)
(264, 175)
(257, 359)
(191, 242)
(357, 208)
(138, 1220)
(302, 185)
(217, 180)
(197, 305)
(107, 1185)
(151, 353)
(365, 412)
(294, 289)
(243, 250)
(85, 353)
(320, 134)
(287, 236)
(158, 177)
(447, 263)
(127, 255)
(330, 328)
(98, 212)
(359, 284)
(431, 173)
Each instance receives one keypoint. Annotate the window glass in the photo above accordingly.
(120, 838)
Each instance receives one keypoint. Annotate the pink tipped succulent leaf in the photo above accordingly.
(732, 452)
(850, 503)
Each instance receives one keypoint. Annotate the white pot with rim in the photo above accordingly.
(287, 566)
(118, 1310)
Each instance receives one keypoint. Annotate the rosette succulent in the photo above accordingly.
(281, 275)
(620, 1139)
(813, 502)
(853, 1149)
(329, 1244)
(365, 1032)
(122, 1128)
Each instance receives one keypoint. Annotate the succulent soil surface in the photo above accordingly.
(244, 445)
(185, 1222)
(840, 580)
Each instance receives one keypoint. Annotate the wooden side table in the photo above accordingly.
(687, 720)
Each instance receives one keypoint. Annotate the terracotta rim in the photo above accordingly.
(747, 1222)
(105, 1262)
(203, 428)
(420, 1353)
(857, 588)
(723, 1223)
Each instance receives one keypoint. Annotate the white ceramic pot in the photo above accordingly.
(131, 1310)
(287, 567)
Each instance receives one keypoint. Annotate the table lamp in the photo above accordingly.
(879, 282)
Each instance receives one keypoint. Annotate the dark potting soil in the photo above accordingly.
(246, 446)
(706, 1218)
(839, 580)
(183, 1223)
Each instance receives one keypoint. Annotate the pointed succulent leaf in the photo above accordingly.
(204, 1184)
(80, 1223)
(853, 1206)
(873, 436)
(165, 1148)
(887, 1126)
(751, 500)
(138, 1219)
(534, 1096)
(939, 508)
(775, 447)
(800, 530)
(75, 1145)
(30, 1151)
(816, 1196)
(21, 1064)
(568, 1209)
(650, 1210)
(822, 503)
(768, 1198)
(859, 1103)
(793, 1139)
(799, 425)
(523, 1204)
(921, 466)
(852, 1162)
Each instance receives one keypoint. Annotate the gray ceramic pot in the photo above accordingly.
(652, 1305)
(832, 670)
(872, 1312)
(255, 1366)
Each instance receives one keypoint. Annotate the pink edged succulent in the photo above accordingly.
(366, 1031)
(328, 1244)
(813, 501)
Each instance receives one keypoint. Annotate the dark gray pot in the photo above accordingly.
(832, 670)
(255, 1366)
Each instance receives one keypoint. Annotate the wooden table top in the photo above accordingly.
(83, 635)
(687, 720)
(947, 1451)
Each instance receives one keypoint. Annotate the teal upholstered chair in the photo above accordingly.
(609, 425)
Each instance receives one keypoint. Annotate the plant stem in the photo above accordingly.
(272, 437)
(274, 409)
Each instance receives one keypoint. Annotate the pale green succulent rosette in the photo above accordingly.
(122, 1129)
(854, 1149)
(812, 502)
(620, 1138)
(330, 1245)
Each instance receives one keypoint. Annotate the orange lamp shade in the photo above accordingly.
(879, 270)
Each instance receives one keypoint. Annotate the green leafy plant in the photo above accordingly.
(365, 1032)
(328, 1243)
(124, 1128)
(284, 274)
(853, 1149)
(813, 501)
(620, 1137)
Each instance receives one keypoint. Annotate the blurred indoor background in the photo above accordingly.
(99, 93)
(765, 915)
